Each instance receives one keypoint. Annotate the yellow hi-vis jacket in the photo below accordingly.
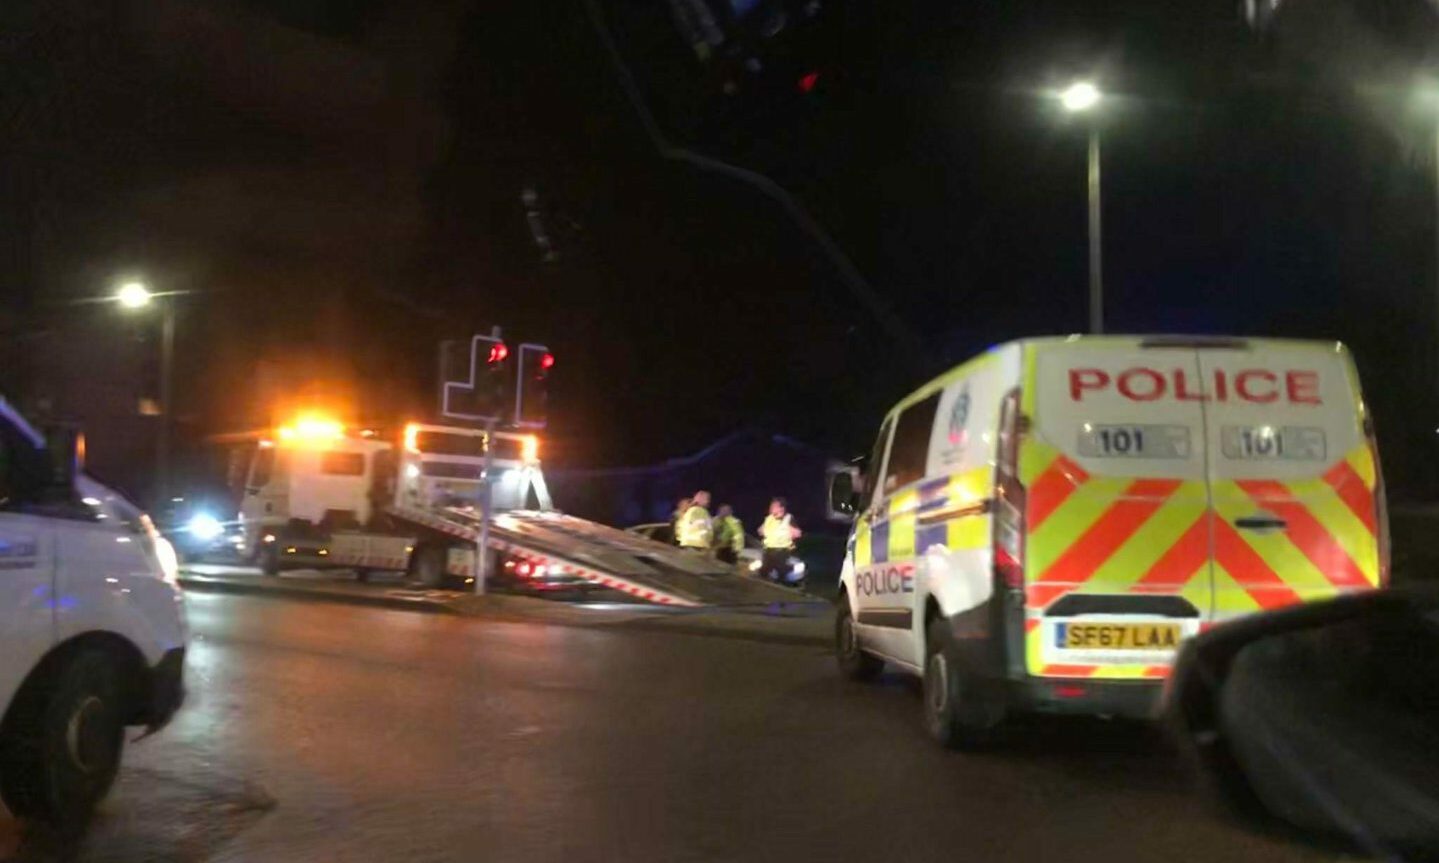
(777, 532)
(729, 533)
(695, 528)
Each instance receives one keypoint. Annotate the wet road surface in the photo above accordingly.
(328, 732)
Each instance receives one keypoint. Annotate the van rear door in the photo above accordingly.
(1117, 562)
(1292, 476)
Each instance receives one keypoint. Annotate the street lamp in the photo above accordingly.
(135, 296)
(1081, 97)
(1425, 98)
(1435, 97)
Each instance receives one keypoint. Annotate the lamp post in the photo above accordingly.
(136, 296)
(1081, 97)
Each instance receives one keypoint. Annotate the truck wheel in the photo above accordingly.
(250, 551)
(854, 663)
(428, 565)
(955, 712)
(270, 559)
(63, 743)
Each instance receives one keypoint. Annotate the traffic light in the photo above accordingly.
(532, 393)
(494, 383)
(477, 381)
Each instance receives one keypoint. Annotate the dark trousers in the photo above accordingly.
(774, 565)
(727, 555)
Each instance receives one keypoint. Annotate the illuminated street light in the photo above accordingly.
(1080, 96)
(134, 295)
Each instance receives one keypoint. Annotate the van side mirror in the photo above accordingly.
(65, 447)
(843, 499)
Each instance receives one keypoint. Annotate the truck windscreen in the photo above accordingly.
(448, 443)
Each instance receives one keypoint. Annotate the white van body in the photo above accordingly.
(92, 629)
(1041, 527)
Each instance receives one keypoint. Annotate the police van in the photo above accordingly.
(1040, 528)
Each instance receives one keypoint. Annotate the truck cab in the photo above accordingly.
(316, 494)
(318, 476)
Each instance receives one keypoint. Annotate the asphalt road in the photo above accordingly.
(328, 732)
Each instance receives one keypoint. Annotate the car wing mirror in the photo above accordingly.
(1320, 718)
(65, 450)
(843, 483)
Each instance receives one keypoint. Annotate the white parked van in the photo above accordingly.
(92, 626)
(1039, 528)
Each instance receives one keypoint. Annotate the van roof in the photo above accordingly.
(1157, 341)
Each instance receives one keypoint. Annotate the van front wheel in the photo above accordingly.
(955, 713)
(65, 736)
(854, 663)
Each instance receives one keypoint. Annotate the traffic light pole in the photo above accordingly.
(482, 557)
(167, 406)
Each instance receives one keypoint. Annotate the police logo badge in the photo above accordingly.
(959, 419)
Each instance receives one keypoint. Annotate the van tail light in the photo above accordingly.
(1381, 505)
(1009, 503)
(1009, 570)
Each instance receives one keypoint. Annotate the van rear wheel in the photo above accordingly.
(854, 663)
(956, 713)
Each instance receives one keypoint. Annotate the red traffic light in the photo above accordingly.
(498, 352)
(546, 362)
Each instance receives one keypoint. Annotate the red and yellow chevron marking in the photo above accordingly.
(1109, 535)
(1051, 487)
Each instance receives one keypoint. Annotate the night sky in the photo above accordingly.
(341, 185)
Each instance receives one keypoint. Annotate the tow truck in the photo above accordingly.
(317, 494)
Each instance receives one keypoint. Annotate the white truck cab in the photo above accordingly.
(92, 626)
(319, 494)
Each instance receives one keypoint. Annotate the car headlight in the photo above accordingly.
(204, 527)
(169, 563)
